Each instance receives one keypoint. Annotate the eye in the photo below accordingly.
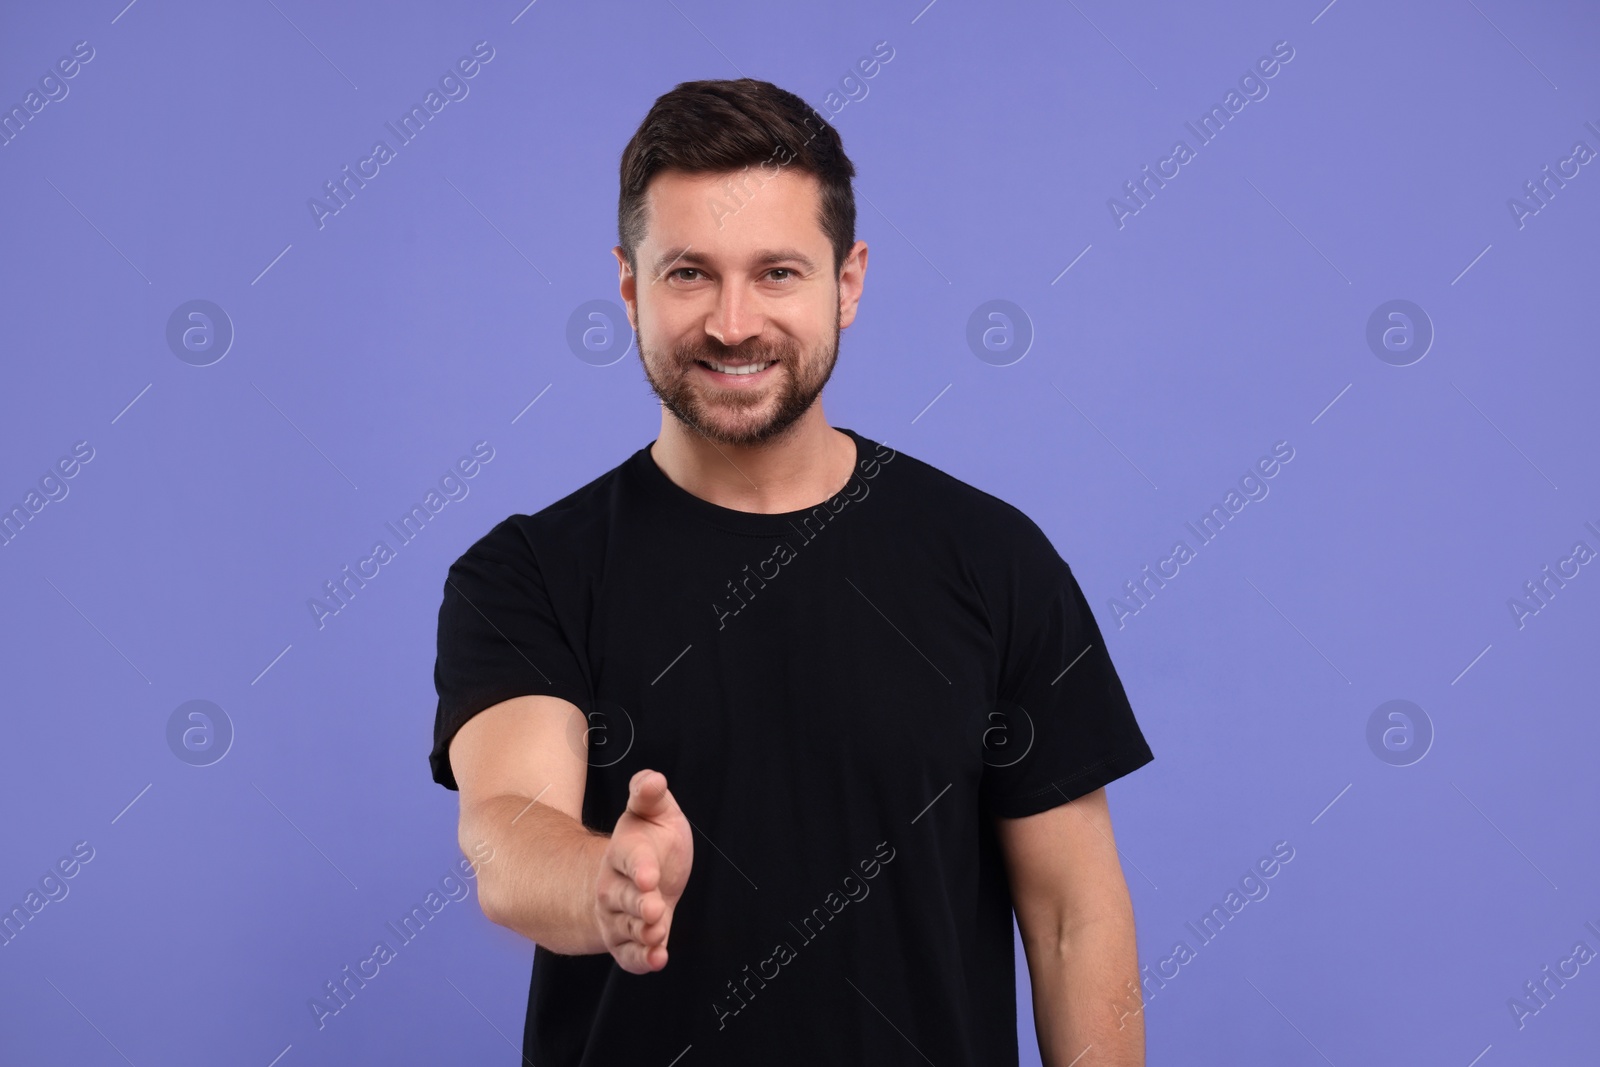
(680, 270)
(784, 270)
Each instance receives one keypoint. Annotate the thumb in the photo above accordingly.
(648, 797)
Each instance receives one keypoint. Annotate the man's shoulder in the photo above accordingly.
(572, 520)
(956, 505)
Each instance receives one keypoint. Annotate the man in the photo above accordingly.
(769, 728)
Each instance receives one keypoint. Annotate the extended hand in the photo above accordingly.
(643, 874)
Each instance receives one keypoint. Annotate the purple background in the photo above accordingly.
(1228, 314)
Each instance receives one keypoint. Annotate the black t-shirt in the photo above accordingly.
(841, 699)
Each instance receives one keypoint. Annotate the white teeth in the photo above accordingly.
(751, 368)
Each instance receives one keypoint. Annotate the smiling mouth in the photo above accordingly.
(739, 369)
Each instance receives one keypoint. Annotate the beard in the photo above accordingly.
(735, 416)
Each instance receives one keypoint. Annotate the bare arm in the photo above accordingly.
(1076, 920)
(522, 775)
(521, 766)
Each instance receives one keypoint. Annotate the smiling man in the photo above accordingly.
(771, 728)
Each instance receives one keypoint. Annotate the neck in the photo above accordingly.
(799, 469)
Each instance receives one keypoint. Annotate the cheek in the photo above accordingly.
(669, 330)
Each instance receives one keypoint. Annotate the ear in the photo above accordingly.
(627, 287)
(852, 278)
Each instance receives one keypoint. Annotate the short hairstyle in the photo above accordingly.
(702, 127)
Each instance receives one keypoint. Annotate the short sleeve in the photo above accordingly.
(500, 636)
(1063, 726)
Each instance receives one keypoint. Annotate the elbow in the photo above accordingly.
(489, 900)
(497, 902)
(479, 853)
(495, 899)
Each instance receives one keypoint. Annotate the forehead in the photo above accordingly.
(734, 210)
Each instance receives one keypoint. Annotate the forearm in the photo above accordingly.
(1086, 998)
(541, 879)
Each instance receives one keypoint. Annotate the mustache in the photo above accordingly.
(750, 349)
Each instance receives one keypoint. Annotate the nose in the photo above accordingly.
(735, 316)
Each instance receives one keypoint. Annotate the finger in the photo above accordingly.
(639, 959)
(632, 929)
(650, 907)
(622, 927)
(613, 893)
(617, 892)
(622, 931)
(650, 934)
(666, 926)
(652, 931)
(630, 956)
(646, 909)
(637, 863)
(642, 867)
(648, 796)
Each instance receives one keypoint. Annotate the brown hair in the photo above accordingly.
(704, 127)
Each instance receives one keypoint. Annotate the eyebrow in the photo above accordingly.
(764, 257)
